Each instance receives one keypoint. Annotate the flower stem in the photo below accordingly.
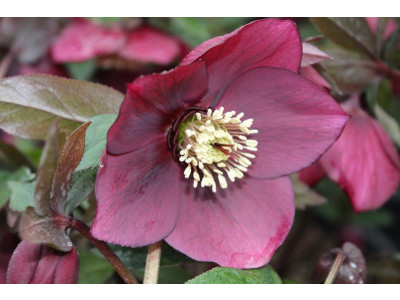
(335, 268)
(119, 267)
(152, 263)
(5, 64)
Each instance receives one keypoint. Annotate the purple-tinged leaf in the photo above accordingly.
(49, 230)
(47, 166)
(34, 263)
(304, 196)
(351, 33)
(351, 75)
(47, 223)
(70, 159)
(30, 104)
(312, 55)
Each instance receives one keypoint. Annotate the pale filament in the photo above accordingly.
(216, 145)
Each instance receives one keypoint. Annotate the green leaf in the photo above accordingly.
(389, 123)
(168, 275)
(350, 33)
(170, 269)
(23, 174)
(93, 268)
(391, 49)
(30, 104)
(351, 74)
(106, 20)
(380, 33)
(82, 186)
(22, 194)
(95, 142)
(31, 149)
(381, 103)
(13, 156)
(193, 30)
(81, 70)
(135, 258)
(264, 275)
(4, 190)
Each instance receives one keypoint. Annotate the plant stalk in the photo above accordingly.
(118, 265)
(152, 264)
(333, 273)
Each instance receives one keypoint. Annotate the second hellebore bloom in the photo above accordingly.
(199, 156)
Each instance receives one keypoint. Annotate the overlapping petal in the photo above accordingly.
(364, 162)
(138, 196)
(297, 121)
(312, 174)
(152, 104)
(35, 263)
(239, 227)
(263, 43)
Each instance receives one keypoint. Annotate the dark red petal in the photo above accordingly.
(297, 121)
(364, 162)
(153, 102)
(207, 45)
(240, 227)
(312, 174)
(36, 263)
(263, 43)
(137, 196)
(83, 40)
(148, 45)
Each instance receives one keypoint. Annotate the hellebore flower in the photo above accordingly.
(390, 26)
(364, 162)
(199, 155)
(83, 40)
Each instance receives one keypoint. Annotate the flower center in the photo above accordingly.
(215, 145)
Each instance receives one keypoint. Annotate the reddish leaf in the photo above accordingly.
(351, 33)
(47, 223)
(312, 55)
(49, 230)
(70, 159)
(30, 104)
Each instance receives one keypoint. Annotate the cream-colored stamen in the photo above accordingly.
(216, 145)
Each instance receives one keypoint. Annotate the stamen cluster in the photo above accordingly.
(215, 145)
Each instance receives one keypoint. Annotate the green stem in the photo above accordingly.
(152, 264)
(335, 268)
(118, 265)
